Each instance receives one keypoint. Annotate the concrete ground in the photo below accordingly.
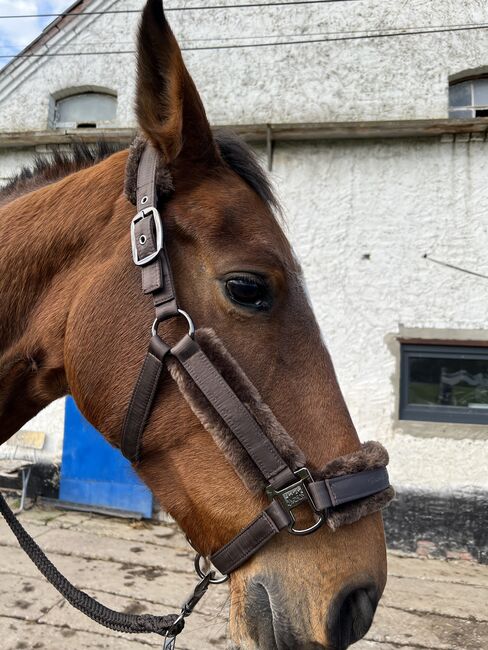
(141, 567)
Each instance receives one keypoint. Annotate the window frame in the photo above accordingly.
(73, 94)
(441, 414)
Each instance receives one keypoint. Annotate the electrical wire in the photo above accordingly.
(342, 32)
(245, 5)
(454, 267)
(380, 35)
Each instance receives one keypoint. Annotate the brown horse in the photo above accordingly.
(73, 321)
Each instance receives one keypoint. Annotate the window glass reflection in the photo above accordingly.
(458, 382)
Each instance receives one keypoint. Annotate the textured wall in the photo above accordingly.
(12, 161)
(389, 78)
(393, 201)
(360, 214)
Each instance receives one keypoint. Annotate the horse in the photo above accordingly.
(73, 321)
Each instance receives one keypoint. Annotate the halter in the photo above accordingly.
(360, 478)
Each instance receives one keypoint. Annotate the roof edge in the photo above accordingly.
(52, 29)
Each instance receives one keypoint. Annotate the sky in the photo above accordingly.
(16, 33)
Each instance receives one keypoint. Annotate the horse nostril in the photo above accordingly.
(351, 615)
(259, 615)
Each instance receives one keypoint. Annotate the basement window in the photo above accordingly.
(468, 99)
(444, 383)
(88, 110)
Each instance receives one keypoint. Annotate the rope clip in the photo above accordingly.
(191, 602)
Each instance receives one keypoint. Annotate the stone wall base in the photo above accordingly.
(450, 526)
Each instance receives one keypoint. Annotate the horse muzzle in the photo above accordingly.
(278, 622)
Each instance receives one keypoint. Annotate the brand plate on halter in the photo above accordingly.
(294, 496)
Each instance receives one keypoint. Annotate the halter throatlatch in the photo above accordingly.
(242, 425)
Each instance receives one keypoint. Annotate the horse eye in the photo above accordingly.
(249, 291)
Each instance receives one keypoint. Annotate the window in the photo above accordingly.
(468, 99)
(85, 110)
(443, 383)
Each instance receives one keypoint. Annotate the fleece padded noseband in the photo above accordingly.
(250, 397)
(371, 455)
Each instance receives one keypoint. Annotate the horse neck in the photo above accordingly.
(51, 239)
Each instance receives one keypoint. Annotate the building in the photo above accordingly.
(373, 117)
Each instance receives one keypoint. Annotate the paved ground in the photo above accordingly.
(138, 567)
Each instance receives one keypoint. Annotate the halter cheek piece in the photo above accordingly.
(345, 490)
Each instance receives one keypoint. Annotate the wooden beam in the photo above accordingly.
(261, 132)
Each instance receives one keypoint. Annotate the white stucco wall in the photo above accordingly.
(372, 79)
(12, 161)
(395, 201)
(391, 200)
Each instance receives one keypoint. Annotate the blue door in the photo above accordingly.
(95, 474)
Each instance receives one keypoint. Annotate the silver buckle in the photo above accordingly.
(146, 213)
(294, 495)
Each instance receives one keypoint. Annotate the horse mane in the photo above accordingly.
(46, 170)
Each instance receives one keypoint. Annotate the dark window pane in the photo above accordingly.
(480, 92)
(460, 94)
(448, 382)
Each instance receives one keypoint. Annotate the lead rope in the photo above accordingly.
(167, 626)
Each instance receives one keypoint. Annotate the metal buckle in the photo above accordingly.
(294, 495)
(146, 213)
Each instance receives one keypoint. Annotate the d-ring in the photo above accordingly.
(191, 325)
(306, 531)
(201, 573)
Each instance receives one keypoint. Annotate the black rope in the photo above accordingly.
(130, 623)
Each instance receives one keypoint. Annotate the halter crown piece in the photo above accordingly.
(230, 407)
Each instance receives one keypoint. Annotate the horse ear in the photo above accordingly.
(168, 106)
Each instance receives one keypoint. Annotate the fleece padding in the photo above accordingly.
(164, 182)
(371, 455)
(248, 394)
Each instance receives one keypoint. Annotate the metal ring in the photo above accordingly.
(306, 531)
(144, 200)
(191, 324)
(201, 573)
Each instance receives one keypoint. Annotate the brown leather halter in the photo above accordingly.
(286, 489)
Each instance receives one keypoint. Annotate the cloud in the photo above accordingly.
(17, 33)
